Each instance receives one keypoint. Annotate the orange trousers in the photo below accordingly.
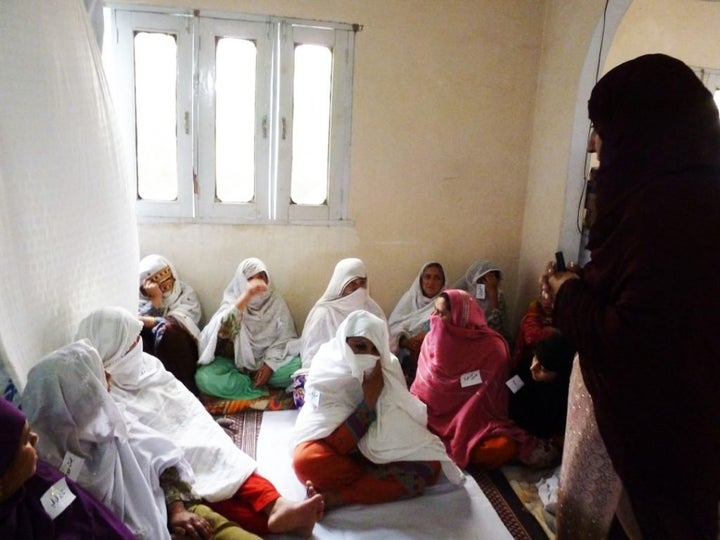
(355, 479)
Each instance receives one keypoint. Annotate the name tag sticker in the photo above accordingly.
(72, 465)
(57, 498)
(471, 378)
(515, 384)
(480, 291)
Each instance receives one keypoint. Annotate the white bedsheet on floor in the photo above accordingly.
(444, 512)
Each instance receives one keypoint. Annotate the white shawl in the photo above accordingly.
(332, 308)
(142, 384)
(412, 311)
(333, 390)
(469, 281)
(68, 405)
(182, 303)
(266, 324)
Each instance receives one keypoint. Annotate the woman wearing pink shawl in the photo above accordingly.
(461, 376)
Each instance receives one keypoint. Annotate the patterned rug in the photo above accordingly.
(244, 429)
(513, 513)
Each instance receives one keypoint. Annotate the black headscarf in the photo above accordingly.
(644, 317)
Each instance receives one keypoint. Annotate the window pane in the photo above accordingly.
(156, 114)
(235, 120)
(311, 124)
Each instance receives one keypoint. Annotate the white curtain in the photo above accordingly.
(68, 240)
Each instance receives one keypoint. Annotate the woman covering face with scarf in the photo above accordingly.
(361, 438)
(244, 346)
(224, 475)
(170, 311)
(461, 376)
(644, 313)
(347, 291)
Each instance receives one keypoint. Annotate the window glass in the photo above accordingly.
(156, 115)
(235, 67)
(311, 124)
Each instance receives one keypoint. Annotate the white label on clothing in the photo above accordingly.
(72, 465)
(471, 378)
(56, 499)
(515, 384)
(480, 291)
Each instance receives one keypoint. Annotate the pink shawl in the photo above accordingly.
(463, 416)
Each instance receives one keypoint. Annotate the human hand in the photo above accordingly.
(492, 288)
(262, 375)
(551, 280)
(185, 524)
(255, 287)
(413, 343)
(148, 322)
(373, 384)
(152, 291)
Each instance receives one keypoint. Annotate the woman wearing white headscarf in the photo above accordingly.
(83, 433)
(361, 437)
(247, 337)
(410, 320)
(224, 475)
(170, 312)
(347, 291)
(482, 280)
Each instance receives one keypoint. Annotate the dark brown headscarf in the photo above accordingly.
(645, 316)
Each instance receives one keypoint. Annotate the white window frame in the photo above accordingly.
(275, 39)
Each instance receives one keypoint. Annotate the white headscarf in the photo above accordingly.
(469, 281)
(333, 390)
(413, 309)
(182, 303)
(266, 326)
(68, 405)
(146, 389)
(332, 308)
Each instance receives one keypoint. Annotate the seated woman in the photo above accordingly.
(462, 373)
(170, 312)
(540, 405)
(535, 326)
(138, 473)
(482, 281)
(410, 320)
(361, 438)
(247, 337)
(224, 475)
(347, 291)
(27, 484)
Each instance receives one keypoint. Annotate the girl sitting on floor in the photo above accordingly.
(244, 346)
(361, 437)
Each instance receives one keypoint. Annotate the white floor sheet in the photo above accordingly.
(444, 512)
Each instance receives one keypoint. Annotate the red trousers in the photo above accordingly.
(246, 507)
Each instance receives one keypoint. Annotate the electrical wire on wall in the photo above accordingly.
(587, 170)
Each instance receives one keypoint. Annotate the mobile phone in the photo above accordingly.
(560, 262)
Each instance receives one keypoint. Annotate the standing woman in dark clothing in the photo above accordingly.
(644, 313)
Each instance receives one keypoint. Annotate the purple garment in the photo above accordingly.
(22, 515)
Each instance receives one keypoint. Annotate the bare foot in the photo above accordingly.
(294, 518)
(310, 492)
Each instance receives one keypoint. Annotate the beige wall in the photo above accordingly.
(685, 29)
(443, 102)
